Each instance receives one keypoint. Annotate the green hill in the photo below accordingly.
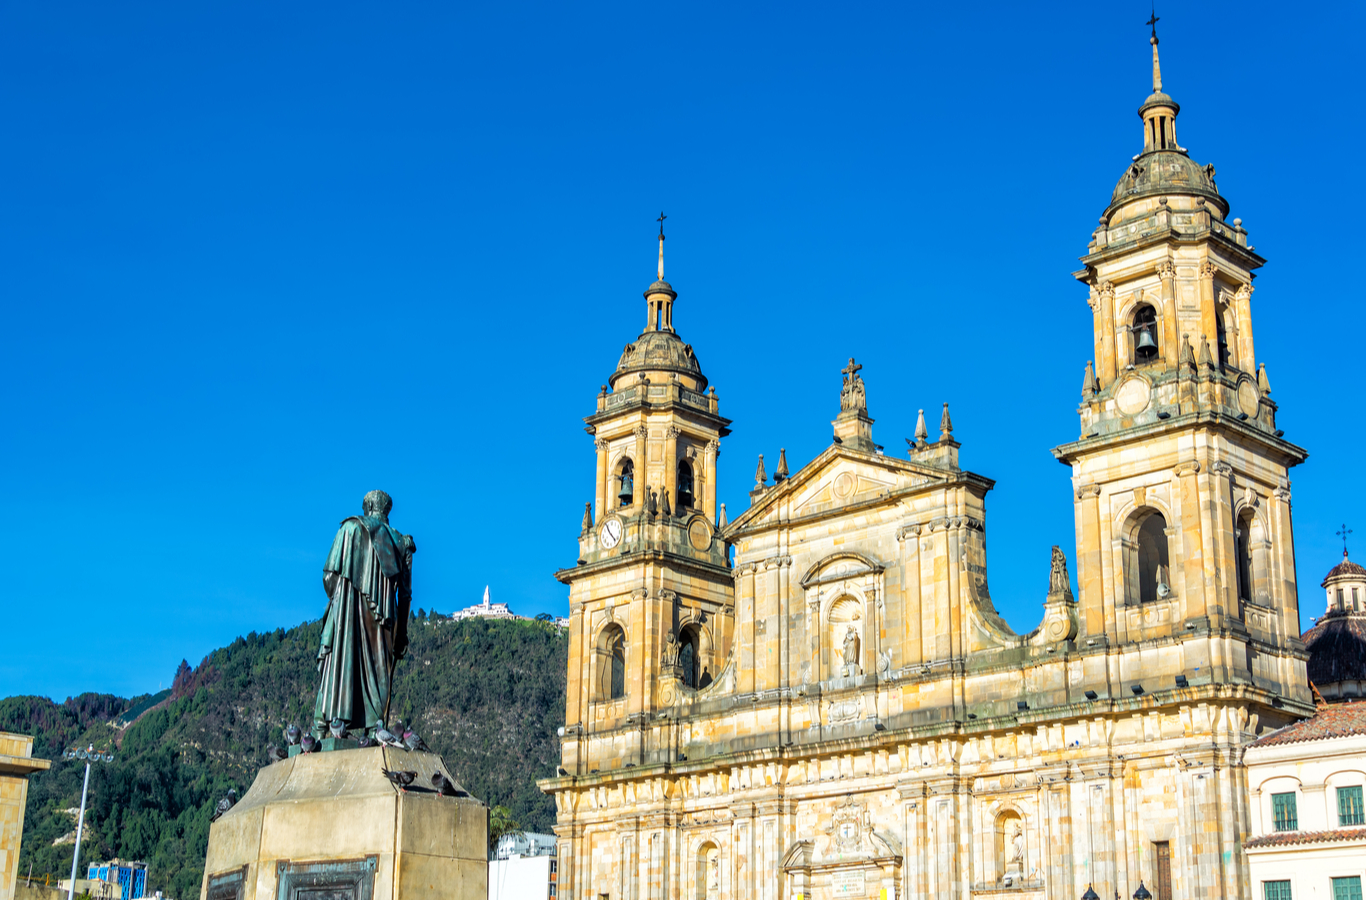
(488, 695)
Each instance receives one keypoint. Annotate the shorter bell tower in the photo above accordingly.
(651, 606)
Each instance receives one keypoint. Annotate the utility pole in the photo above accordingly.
(88, 755)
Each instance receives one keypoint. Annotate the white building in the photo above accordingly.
(524, 867)
(488, 610)
(1306, 780)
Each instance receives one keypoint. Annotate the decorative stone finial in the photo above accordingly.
(1088, 382)
(780, 474)
(652, 505)
(1206, 358)
(664, 505)
(921, 432)
(723, 520)
(1262, 384)
(1187, 355)
(760, 475)
(587, 517)
(945, 425)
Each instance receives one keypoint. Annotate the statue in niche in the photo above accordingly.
(368, 577)
(1017, 848)
(851, 648)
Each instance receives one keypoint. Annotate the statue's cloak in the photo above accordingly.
(368, 579)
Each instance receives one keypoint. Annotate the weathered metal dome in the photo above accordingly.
(1163, 173)
(659, 351)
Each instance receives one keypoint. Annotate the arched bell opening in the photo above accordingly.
(625, 482)
(611, 662)
(1144, 331)
(1148, 557)
(684, 498)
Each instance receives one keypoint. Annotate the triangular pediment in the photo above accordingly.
(839, 477)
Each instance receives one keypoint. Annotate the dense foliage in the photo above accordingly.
(488, 695)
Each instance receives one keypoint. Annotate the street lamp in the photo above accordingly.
(1090, 894)
(88, 755)
(1142, 892)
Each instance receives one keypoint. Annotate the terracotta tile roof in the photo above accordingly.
(1331, 721)
(1289, 838)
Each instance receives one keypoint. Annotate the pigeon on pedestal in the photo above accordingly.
(309, 744)
(338, 728)
(292, 735)
(387, 737)
(447, 788)
(400, 779)
(367, 741)
(224, 805)
(275, 754)
(413, 741)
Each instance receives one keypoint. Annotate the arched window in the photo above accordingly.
(1144, 331)
(1244, 550)
(611, 650)
(690, 656)
(684, 497)
(1154, 567)
(626, 482)
(708, 878)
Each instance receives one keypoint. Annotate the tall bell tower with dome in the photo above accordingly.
(650, 607)
(1182, 500)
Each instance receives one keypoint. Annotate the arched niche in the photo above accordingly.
(609, 651)
(1009, 844)
(1147, 556)
(707, 878)
(845, 631)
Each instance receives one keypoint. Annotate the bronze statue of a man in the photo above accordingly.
(368, 577)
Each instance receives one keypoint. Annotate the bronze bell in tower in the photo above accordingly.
(1145, 347)
(627, 492)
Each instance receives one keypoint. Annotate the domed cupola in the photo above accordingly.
(659, 354)
(1164, 169)
(1337, 642)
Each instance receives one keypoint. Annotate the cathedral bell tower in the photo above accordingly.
(650, 595)
(1182, 500)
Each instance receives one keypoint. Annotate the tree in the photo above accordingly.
(500, 823)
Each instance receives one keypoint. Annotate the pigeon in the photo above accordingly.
(224, 805)
(367, 741)
(387, 737)
(446, 787)
(400, 779)
(338, 728)
(413, 741)
(309, 744)
(275, 754)
(292, 735)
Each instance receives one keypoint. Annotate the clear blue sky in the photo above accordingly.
(257, 259)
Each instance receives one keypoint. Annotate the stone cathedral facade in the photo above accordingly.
(817, 699)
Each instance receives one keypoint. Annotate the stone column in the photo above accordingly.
(1105, 366)
(671, 466)
(1224, 549)
(1191, 553)
(912, 646)
(744, 618)
(1090, 572)
(1242, 306)
(1171, 340)
(813, 630)
(604, 479)
(640, 500)
(713, 450)
(1209, 324)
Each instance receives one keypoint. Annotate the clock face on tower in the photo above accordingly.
(610, 535)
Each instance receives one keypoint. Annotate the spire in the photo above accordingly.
(1262, 384)
(486, 595)
(587, 518)
(662, 217)
(1157, 69)
(760, 475)
(921, 432)
(780, 474)
(945, 425)
(1088, 382)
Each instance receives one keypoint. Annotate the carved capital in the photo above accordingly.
(601, 444)
(1282, 494)
(1107, 291)
(642, 432)
(672, 433)
(1087, 491)
(1207, 269)
(1221, 468)
(908, 531)
(1093, 300)
(1166, 271)
(1186, 467)
(1244, 292)
(714, 446)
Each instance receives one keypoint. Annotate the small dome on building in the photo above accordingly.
(1345, 570)
(1164, 172)
(660, 351)
(1337, 642)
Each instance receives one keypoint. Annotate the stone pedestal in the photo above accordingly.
(331, 824)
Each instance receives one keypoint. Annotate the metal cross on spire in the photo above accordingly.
(1153, 22)
(1342, 533)
(660, 220)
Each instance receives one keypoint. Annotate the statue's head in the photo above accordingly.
(377, 504)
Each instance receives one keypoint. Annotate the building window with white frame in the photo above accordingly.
(1348, 888)
(1283, 813)
(1350, 811)
(1276, 890)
